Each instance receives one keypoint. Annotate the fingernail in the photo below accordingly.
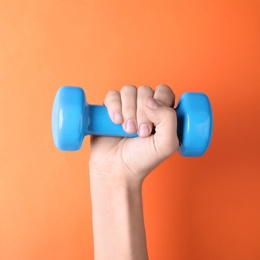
(144, 130)
(118, 117)
(152, 103)
(130, 126)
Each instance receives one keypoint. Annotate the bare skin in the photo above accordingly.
(118, 167)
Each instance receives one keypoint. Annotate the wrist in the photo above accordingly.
(110, 178)
(115, 191)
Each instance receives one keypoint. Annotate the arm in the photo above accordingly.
(118, 223)
(118, 167)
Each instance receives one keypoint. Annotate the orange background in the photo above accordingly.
(195, 208)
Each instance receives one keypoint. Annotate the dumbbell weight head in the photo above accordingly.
(195, 120)
(73, 118)
(68, 116)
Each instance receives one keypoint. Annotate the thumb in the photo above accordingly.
(165, 121)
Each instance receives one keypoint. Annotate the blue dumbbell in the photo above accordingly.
(73, 118)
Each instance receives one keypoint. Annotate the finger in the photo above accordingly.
(114, 107)
(128, 99)
(165, 120)
(143, 123)
(164, 94)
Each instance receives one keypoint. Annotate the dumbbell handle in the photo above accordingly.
(98, 122)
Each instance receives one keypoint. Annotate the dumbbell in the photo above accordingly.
(73, 118)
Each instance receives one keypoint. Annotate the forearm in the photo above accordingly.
(117, 216)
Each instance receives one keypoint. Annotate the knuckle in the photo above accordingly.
(163, 87)
(128, 88)
(113, 92)
(145, 88)
(112, 97)
(165, 94)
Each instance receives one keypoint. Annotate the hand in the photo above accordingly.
(124, 160)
